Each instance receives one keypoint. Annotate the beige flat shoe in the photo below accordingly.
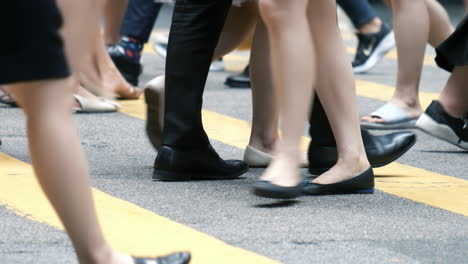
(259, 159)
(154, 98)
(95, 106)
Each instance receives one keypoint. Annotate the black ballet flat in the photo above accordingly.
(361, 184)
(176, 258)
(267, 189)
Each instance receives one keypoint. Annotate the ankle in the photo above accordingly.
(353, 157)
(407, 102)
(452, 107)
(373, 26)
(104, 254)
(263, 143)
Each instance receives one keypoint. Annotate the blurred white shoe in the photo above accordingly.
(160, 46)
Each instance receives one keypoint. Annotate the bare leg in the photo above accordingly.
(454, 95)
(240, 23)
(114, 11)
(411, 43)
(63, 172)
(293, 67)
(265, 111)
(335, 87)
(466, 6)
(430, 25)
(100, 75)
(373, 26)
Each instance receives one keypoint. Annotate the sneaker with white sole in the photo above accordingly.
(372, 48)
(438, 123)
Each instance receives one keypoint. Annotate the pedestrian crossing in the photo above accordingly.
(131, 228)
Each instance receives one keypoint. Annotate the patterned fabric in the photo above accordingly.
(130, 47)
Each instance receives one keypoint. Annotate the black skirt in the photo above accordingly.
(454, 51)
(31, 48)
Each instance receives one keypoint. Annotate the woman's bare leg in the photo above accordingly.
(114, 12)
(337, 92)
(294, 71)
(454, 95)
(440, 26)
(240, 23)
(264, 132)
(63, 172)
(100, 75)
(430, 25)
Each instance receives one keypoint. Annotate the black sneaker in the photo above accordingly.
(130, 70)
(372, 48)
(436, 122)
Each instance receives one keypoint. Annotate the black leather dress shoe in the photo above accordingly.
(380, 150)
(361, 184)
(176, 164)
(129, 69)
(241, 80)
(176, 258)
(269, 190)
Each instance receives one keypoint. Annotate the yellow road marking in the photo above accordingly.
(445, 192)
(128, 227)
(384, 92)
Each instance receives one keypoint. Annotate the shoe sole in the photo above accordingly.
(322, 170)
(234, 84)
(159, 175)
(276, 193)
(443, 132)
(411, 124)
(362, 191)
(154, 127)
(382, 49)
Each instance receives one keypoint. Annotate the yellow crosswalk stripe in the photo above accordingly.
(384, 92)
(127, 226)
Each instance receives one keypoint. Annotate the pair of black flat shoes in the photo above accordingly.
(176, 258)
(361, 184)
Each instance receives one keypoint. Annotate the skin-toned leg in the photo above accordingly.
(293, 67)
(63, 173)
(336, 89)
(100, 75)
(454, 95)
(466, 6)
(240, 23)
(440, 26)
(372, 26)
(431, 25)
(264, 132)
(114, 11)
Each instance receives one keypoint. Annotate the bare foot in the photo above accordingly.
(413, 111)
(283, 171)
(343, 170)
(113, 82)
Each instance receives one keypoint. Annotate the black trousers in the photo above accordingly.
(195, 30)
(454, 50)
(139, 19)
(359, 11)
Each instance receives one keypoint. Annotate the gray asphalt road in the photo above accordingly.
(379, 228)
